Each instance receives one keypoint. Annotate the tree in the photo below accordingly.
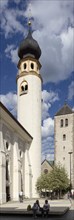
(42, 183)
(57, 180)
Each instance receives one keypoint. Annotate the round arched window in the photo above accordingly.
(32, 66)
(25, 65)
(23, 87)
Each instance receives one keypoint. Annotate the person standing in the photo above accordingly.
(21, 196)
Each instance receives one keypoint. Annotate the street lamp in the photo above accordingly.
(70, 153)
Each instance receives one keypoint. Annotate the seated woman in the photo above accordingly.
(46, 208)
(36, 208)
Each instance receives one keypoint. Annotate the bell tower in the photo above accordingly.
(29, 83)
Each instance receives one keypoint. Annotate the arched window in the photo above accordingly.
(32, 66)
(26, 87)
(61, 123)
(66, 122)
(64, 137)
(23, 87)
(25, 66)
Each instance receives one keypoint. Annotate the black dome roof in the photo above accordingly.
(29, 46)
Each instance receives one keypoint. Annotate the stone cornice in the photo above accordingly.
(24, 73)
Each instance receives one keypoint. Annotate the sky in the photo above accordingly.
(53, 28)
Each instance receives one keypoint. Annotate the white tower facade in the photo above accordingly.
(29, 108)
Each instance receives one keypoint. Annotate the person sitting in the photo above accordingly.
(46, 208)
(36, 208)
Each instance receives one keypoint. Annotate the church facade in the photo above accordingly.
(64, 140)
(14, 142)
(20, 140)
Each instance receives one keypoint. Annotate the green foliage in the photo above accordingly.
(42, 182)
(56, 180)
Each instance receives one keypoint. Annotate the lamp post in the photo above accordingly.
(70, 153)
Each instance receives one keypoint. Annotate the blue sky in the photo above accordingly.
(53, 26)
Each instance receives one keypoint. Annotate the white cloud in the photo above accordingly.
(45, 110)
(68, 51)
(48, 127)
(49, 96)
(10, 102)
(48, 138)
(48, 124)
(71, 91)
(10, 23)
(54, 20)
(53, 28)
(4, 4)
(48, 148)
(48, 99)
(11, 52)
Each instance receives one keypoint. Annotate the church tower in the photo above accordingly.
(29, 107)
(64, 140)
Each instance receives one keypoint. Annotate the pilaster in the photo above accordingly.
(15, 190)
(28, 173)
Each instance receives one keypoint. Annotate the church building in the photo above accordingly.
(20, 140)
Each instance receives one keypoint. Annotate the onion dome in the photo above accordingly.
(29, 46)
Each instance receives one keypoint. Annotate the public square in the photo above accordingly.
(56, 206)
